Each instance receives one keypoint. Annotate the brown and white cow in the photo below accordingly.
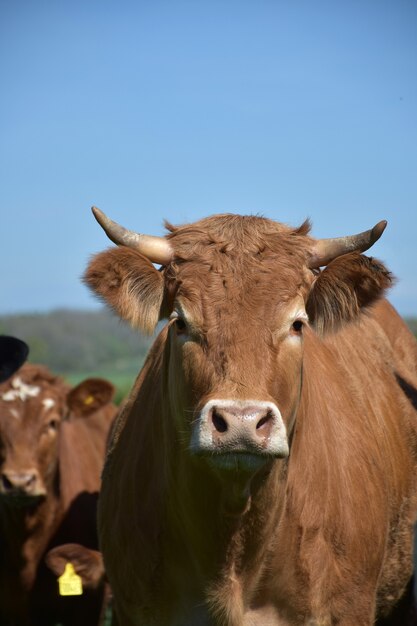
(52, 447)
(263, 471)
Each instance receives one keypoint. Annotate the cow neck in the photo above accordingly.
(213, 524)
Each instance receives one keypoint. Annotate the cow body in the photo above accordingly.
(52, 448)
(263, 469)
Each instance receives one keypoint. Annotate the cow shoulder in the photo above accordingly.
(129, 283)
(348, 285)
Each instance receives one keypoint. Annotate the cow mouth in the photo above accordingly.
(20, 499)
(239, 461)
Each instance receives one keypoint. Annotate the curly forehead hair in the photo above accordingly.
(236, 234)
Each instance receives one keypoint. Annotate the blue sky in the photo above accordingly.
(178, 110)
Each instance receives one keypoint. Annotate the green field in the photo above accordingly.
(82, 344)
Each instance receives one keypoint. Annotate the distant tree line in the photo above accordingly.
(71, 341)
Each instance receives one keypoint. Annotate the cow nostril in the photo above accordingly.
(7, 484)
(264, 421)
(219, 422)
(15, 481)
(30, 479)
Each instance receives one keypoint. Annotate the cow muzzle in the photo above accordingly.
(21, 486)
(235, 433)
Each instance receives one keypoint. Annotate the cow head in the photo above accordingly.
(239, 292)
(33, 405)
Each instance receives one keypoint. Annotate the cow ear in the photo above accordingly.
(87, 563)
(344, 288)
(89, 396)
(130, 284)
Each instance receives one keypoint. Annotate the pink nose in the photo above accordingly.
(249, 425)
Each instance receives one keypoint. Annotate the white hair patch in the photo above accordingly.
(20, 391)
(48, 403)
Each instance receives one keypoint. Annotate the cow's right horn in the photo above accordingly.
(156, 249)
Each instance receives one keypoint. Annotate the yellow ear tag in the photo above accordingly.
(89, 400)
(70, 584)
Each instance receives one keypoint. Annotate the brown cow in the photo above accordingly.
(52, 446)
(263, 471)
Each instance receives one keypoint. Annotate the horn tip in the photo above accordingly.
(100, 216)
(378, 229)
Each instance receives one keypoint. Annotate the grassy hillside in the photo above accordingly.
(80, 344)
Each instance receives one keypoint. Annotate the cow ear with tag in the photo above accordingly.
(88, 564)
(346, 287)
(128, 282)
(89, 396)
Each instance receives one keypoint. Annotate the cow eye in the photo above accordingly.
(297, 326)
(53, 425)
(180, 326)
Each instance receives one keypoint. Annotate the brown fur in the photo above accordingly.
(122, 277)
(321, 538)
(65, 448)
(347, 285)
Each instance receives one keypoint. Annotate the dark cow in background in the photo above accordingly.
(263, 471)
(52, 446)
(88, 565)
(13, 353)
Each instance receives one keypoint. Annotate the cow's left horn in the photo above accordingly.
(325, 250)
(156, 249)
